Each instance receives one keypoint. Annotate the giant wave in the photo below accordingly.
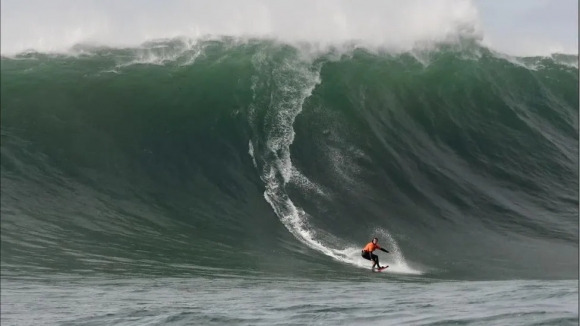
(192, 156)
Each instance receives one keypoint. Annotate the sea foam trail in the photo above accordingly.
(289, 84)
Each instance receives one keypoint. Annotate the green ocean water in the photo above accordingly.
(191, 164)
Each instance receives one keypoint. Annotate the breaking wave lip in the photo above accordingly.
(185, 51)
(374, 22)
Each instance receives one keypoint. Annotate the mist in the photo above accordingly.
(56, 26)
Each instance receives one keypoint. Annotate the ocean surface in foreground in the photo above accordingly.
(373, 300)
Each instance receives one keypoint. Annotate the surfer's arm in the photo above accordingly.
(385, 250)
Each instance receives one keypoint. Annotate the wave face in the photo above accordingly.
(180, 157)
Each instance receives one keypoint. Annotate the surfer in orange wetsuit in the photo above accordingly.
(367, 252)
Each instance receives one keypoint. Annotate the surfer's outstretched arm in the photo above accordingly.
(385, 250)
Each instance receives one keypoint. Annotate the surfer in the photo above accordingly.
(367, 253)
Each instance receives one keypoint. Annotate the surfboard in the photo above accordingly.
(381, 269)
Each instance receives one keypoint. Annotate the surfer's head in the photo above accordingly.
(375, 240)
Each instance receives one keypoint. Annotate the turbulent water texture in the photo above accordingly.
(271, 301)
(184, 157)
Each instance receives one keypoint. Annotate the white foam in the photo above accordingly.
(251, 152)
(182, 51)
(396, 265)
(58, 25)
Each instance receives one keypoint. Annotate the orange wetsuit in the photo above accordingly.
(370, 247)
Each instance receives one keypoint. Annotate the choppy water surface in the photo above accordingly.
(241, 301)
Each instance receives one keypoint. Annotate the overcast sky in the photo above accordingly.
(518, 27)
(530, 26)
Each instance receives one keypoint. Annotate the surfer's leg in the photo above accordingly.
(366, 255)
(376, 260)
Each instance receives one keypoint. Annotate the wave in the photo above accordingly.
(181, 155)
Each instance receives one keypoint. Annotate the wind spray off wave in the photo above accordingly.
(42, 27)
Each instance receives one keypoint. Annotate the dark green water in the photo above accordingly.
(178, 159)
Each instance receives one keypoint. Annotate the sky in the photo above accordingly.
(530, 26)
(515, 27)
